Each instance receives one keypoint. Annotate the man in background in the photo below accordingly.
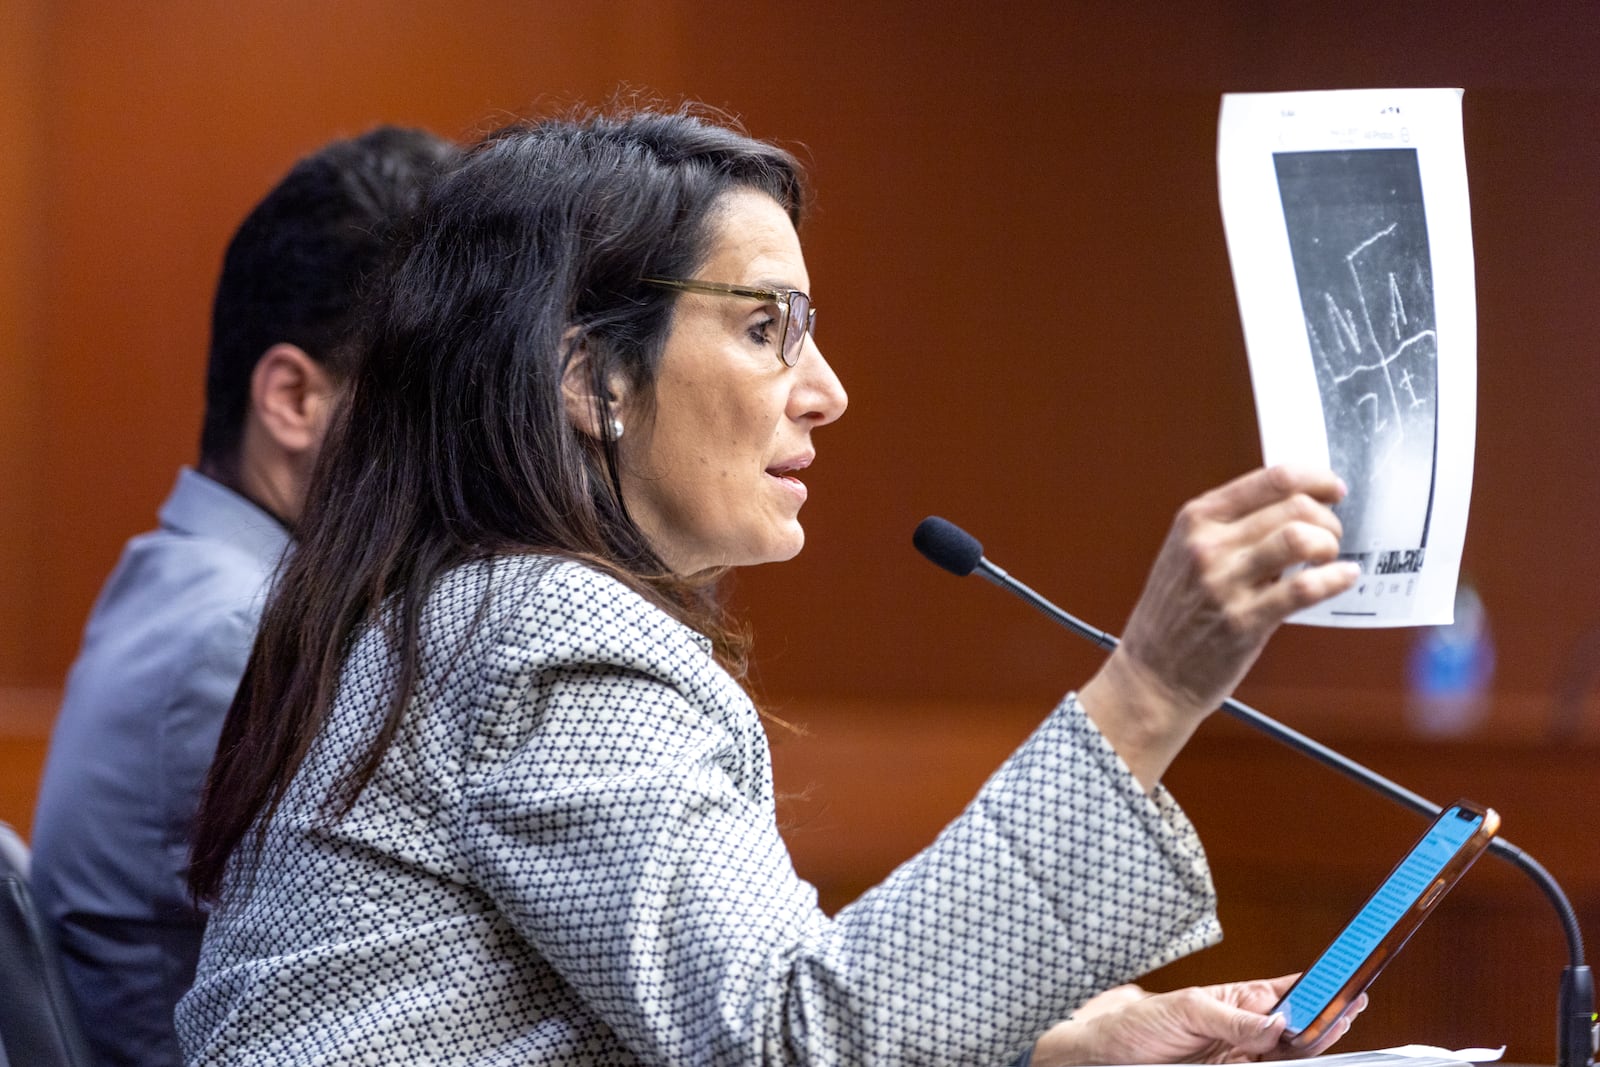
(169, 636)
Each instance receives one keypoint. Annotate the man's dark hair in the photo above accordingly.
(295, 269)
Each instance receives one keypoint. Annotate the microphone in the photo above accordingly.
(951, 548)
(948, 546)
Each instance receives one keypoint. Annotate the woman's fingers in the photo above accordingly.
(1237, 562)
(1266, 485)
(1297, 529)
(1305, 588)
(1228, 1023)
(1254, 548)
(1340, 1027)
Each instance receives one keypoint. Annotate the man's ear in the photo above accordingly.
(292, 397)
(595, 414)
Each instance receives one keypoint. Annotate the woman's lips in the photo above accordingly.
(783, 474)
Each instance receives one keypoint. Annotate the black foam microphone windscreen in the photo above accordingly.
(947, 545)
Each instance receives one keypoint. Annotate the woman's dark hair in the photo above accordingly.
(453, 443)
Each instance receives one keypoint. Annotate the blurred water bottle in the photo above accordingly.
(1451, 668)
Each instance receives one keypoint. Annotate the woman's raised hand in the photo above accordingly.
(1238, 561)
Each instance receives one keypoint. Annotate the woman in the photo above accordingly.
(491, 792)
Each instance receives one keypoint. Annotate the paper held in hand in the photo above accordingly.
(1348, 230)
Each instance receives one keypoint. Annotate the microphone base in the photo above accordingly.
(1577, 1034)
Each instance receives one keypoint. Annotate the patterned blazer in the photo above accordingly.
(569, 855)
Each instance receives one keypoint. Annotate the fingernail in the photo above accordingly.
(1271, 1020)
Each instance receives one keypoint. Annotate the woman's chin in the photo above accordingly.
(780, 549)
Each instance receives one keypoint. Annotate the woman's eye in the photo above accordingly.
(764, 331)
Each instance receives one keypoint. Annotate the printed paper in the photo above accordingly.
(1349, 233)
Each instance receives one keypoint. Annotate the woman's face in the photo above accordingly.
(713, 479)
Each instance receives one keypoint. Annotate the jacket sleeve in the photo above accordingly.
(620, 816)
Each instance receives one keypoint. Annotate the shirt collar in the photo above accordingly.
(202, 506)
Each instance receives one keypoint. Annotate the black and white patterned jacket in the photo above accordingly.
(569, 856)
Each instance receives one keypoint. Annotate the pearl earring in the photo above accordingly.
(616, 429)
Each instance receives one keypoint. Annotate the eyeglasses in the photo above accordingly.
(795, 306)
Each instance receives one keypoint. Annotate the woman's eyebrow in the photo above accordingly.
(774, 283)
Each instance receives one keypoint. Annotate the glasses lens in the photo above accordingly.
(796, 324)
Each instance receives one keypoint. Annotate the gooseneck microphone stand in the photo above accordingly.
(1577, 1031)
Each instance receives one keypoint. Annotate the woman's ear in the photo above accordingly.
(595, 407)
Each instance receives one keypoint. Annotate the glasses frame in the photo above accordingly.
(784, 298)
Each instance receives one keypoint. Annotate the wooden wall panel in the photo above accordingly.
(23, 56)
(1018, 259)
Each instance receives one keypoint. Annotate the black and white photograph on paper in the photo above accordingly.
(1349, 235)
(1358, 236)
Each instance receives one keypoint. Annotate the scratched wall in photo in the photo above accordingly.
(1358, 234)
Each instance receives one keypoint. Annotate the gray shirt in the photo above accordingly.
(569, 855)
(161, 657)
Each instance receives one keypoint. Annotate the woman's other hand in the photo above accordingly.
(1238, 561)
(1202, 1024)
(1118, 996)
